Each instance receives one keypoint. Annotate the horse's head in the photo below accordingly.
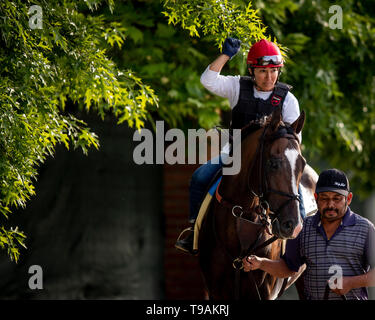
(282, 167)
(276, 173)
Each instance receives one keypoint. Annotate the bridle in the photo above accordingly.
(264, 190)
(262, 209)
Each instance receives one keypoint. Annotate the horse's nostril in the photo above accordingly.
(287, 226)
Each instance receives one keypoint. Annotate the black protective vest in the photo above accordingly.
(249, 108)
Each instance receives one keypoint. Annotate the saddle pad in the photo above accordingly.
(203, 210)
(214, 186)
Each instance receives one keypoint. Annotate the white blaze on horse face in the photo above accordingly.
(292, 156)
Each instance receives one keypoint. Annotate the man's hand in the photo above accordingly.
(231, 47)
(346, 286)
(277, 268)
(251, 263)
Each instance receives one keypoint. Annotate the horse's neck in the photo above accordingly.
(235, 187)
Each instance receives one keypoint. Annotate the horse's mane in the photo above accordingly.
(254, 125)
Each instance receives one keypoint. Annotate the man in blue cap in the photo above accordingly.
(335, 244)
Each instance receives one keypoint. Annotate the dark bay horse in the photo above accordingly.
(261, 197)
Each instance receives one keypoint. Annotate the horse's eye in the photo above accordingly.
(274, 164)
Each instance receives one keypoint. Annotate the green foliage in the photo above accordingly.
(170, 61)
(43, 69)
(83, 55)
(217, 19)
(10, 240)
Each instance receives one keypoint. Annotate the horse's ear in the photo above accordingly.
(276, 119)
(298, 124)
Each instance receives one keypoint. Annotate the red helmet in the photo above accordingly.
(264, 54)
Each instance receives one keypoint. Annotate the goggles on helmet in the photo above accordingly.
(266, 60)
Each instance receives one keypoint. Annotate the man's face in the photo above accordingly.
(332, 205)
(265, 78)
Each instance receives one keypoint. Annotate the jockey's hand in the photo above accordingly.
(231, 47)
(251, 263)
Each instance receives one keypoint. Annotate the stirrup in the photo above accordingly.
(179, 242)
(183, 231)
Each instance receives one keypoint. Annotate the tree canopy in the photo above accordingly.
(142, 60)
(42, 69)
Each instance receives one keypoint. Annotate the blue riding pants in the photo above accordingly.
(199, 183)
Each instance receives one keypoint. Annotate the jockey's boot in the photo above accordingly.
(186, 244)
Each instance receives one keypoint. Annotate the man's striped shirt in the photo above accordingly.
(351, 250)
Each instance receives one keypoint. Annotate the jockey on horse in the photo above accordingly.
(251, 98)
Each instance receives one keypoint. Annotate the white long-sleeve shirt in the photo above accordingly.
(229, 87)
